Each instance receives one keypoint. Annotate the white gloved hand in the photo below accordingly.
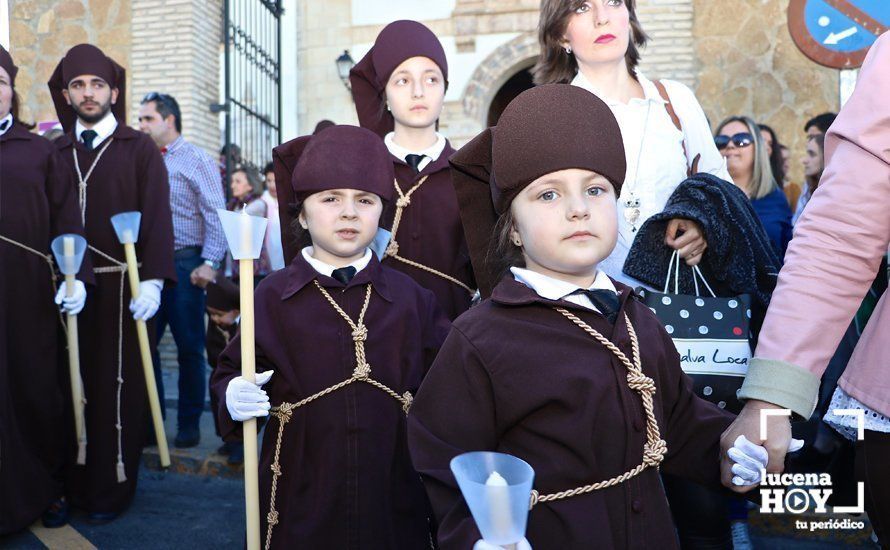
(482, 545)
(246, 400)
(74, 303)
(750, 460)
(146, 305)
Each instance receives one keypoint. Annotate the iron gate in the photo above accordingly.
(252, 82)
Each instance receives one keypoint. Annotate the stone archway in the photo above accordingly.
(488, 78)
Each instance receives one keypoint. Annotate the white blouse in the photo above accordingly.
(656, 164)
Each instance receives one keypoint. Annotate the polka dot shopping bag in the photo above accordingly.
(710, 333)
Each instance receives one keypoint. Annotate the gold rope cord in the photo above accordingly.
(655, 448)
(362, 373)
(393, 249)
(82, 180)
(52, 270)
(119, 267)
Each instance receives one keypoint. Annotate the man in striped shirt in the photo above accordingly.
(195, 194)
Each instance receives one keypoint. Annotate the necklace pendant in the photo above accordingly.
(631, 215)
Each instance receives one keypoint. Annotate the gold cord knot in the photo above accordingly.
(403, 202)
(407, 400)
(392, 249)
(272, 518)
(640, 382)
(360, 333)
(362, 371)
(653, 453)
(276, 469)
(533, 499)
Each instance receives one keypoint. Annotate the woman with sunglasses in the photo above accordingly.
(739, 141)
(595, 45)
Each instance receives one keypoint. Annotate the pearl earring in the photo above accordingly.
(569, 50)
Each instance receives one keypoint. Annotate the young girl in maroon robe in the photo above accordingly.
(559, 365)
(342, 344)
(399, 90)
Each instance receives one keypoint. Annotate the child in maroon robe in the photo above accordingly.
(399, 90)
(559, 365)
(348, 341)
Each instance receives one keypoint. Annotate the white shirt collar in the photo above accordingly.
(650, 92)
(8, 120)
(555, 289)
(327, 269)
(104, 128)
(431, 153)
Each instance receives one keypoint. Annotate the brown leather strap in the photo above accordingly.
(693, 168)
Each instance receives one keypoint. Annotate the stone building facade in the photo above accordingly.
(170, 46)
(737, 56)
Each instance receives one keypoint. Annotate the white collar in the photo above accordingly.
(8, 120)
(650, 92)
(104, 128)
(431, 153)
(554, 289)
(327, 269)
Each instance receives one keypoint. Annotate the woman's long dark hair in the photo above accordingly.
(775, 158)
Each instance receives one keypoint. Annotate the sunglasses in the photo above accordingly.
(742, 139)
(157, 96)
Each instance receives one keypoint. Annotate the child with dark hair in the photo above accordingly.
(348, 341)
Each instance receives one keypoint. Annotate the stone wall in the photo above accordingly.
(176, 50)
(748, 65)
(41, 31)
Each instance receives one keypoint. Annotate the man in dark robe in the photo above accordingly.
(38, 202)
(117, 169)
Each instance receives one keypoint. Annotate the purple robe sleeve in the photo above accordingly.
(454, 413)
(155, 245)
(693, 427)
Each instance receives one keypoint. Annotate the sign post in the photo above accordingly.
(838, 33)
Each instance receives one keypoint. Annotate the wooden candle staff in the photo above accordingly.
(245, 237)
(126, 225)
(68, 251)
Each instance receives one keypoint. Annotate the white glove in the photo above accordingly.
(751, 459)
(146, 305)
(74, 303)
(246, 400)
(482, 545)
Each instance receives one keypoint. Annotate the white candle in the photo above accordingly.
(68, 252)
(497, 494)
(246, 235)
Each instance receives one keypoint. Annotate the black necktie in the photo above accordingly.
(605, 300)
(414, 162)
(344, 274)
(88, 136)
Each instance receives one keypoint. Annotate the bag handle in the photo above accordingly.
(691, 168)
(696, 274)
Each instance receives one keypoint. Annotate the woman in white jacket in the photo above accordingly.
(595, 45)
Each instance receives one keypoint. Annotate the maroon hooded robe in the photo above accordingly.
(129, 176)
(430, 232)
(346, 477)
(518, 377)
(38, 202)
